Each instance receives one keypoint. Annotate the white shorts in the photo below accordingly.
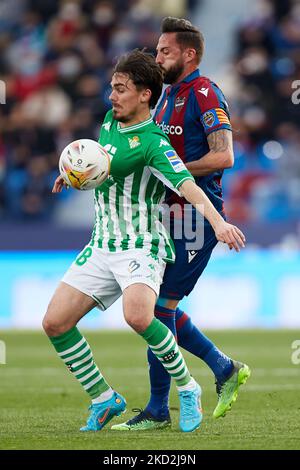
(104, 275)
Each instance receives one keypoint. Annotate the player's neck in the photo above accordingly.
(187, 71)
(137, 119)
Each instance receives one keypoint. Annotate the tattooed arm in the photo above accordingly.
(219, 157)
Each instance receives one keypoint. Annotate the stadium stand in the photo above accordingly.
(56, 58)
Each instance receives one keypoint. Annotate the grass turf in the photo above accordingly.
(42, 405)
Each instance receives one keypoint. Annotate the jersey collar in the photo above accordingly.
(192, 76)
(135, 126)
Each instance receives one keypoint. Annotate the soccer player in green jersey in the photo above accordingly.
(129, 246)
(193, 112)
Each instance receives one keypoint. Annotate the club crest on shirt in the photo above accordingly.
(179, 103)
(134, 142)
(209, 118)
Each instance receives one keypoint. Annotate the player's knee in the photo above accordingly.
(53, 327)
(137, 321)
(133, 321)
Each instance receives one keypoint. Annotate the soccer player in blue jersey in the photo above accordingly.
(194, 114)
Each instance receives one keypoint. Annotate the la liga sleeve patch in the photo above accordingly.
(176, 163)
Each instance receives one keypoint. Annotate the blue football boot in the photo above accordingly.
(102, 413)
(190, 409)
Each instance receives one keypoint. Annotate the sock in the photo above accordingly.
(103, 397)
(76, 353)
(163, 345)
(188, 387)
(160, 380)
(191, 339)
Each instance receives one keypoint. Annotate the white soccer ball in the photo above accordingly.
(84, 164)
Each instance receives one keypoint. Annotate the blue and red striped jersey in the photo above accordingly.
(188, 112)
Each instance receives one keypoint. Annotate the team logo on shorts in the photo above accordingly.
(133, 266)
(192, 254)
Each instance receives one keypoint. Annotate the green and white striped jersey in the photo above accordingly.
(127, 204)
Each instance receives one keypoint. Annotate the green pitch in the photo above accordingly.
(42, 406)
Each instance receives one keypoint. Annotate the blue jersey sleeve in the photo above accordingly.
(212, 106)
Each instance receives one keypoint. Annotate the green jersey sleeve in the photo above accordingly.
(165, 163)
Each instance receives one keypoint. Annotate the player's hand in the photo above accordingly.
(59, 184)
(231, 235)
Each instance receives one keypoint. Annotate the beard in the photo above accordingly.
(171, 76)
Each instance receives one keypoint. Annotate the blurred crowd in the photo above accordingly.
(265, 182)
(56, 58)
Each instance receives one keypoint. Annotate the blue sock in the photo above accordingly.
(191, 339)
(160, 380)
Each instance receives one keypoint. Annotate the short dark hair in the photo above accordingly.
(187, 35)
(142, 69)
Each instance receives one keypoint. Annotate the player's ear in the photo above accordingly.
(146, 95)
(190, 54)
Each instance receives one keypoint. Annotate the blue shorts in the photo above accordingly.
(180, 278)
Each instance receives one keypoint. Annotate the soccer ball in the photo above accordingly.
(84, 164)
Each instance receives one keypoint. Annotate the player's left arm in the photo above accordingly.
(59, 184)
(219, 157)
(212, 109)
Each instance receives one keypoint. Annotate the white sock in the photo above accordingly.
(191, 385)
(103, 397)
